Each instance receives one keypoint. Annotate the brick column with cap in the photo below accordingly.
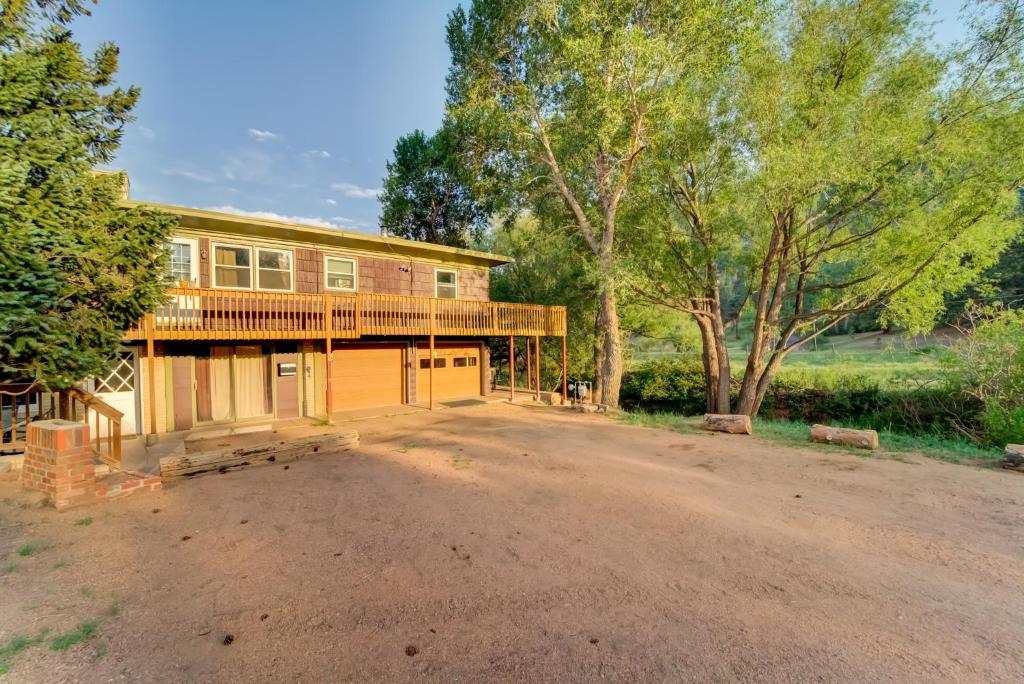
(59, 462)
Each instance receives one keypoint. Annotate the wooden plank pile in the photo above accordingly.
(188, 465)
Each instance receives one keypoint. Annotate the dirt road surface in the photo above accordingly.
(510, 543)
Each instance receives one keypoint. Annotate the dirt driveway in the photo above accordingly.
(508, 543)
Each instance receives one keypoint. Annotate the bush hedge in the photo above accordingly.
(852, 400)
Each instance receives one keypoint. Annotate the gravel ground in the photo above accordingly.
(515, 543)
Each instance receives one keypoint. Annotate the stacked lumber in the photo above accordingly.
(860, 439)
(187, 465)
(724, 422)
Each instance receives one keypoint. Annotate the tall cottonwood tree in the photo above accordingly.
(75, 268)
(844, 165)
(559, 98)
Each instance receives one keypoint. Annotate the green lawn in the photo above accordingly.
(892, 445)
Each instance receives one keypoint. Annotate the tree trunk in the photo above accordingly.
(611, 368)
(598, 359)
(710, 359)
(723, 376)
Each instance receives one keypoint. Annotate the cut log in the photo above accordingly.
(187, 465)
(1014, 456)
(723, 422)
(860, 439)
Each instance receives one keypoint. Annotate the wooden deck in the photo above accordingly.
(216, 314)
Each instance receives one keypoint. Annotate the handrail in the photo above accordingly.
(196, 313)
(20, 404)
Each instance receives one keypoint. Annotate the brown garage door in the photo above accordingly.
(456, 371)
(365, 375)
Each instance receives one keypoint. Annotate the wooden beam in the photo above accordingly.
(329, 398)
(187, 465)
(431, 373)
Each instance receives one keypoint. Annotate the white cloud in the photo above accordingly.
(319, 154)
(190, 175)
(356, 191)
(146, 132)
(334, 222)
(263, 136)
(331, 202)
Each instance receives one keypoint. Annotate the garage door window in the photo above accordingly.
(440, 363)
(424, 363)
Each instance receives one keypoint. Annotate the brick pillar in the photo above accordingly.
(59, 462)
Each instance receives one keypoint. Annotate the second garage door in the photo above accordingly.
(367, 375)
(456, 371)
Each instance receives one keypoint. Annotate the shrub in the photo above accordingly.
(672, 385)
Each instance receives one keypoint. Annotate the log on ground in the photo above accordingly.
(183, 465)
(860, 439)
(723, 422)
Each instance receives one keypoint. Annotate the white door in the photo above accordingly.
(118, 388)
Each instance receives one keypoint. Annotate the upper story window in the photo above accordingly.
(446, 284)
(183, 265)
(339, 273)
(274, 270)
(232, 267)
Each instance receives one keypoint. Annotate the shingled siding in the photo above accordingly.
(474, 284)
(309, 264)
(380, 275)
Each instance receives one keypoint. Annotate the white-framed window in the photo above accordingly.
(339, 273)
(446, 284)
(232, 267)
(274, 269)
(183, 262)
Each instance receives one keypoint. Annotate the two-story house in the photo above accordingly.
(274, 320)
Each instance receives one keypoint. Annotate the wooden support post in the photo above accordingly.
(151, 370)
(565, 374)
(529, 367)
(328, 304)
(511, 368)
(329, 394)
(536, 362)
(433, 327)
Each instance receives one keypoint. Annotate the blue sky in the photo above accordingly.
(286, 109)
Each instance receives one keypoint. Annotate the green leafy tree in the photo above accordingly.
(558, 98)
(429, 193)
(75, 269)
(844, 165)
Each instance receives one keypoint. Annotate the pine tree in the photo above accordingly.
(76, 269)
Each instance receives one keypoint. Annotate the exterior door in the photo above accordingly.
(367, 375)
(118, 388)
(213, 387)
(456, 371)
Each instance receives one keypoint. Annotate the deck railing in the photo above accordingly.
(195, 313)
(22, 404)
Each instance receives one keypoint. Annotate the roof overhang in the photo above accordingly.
(248, 226)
